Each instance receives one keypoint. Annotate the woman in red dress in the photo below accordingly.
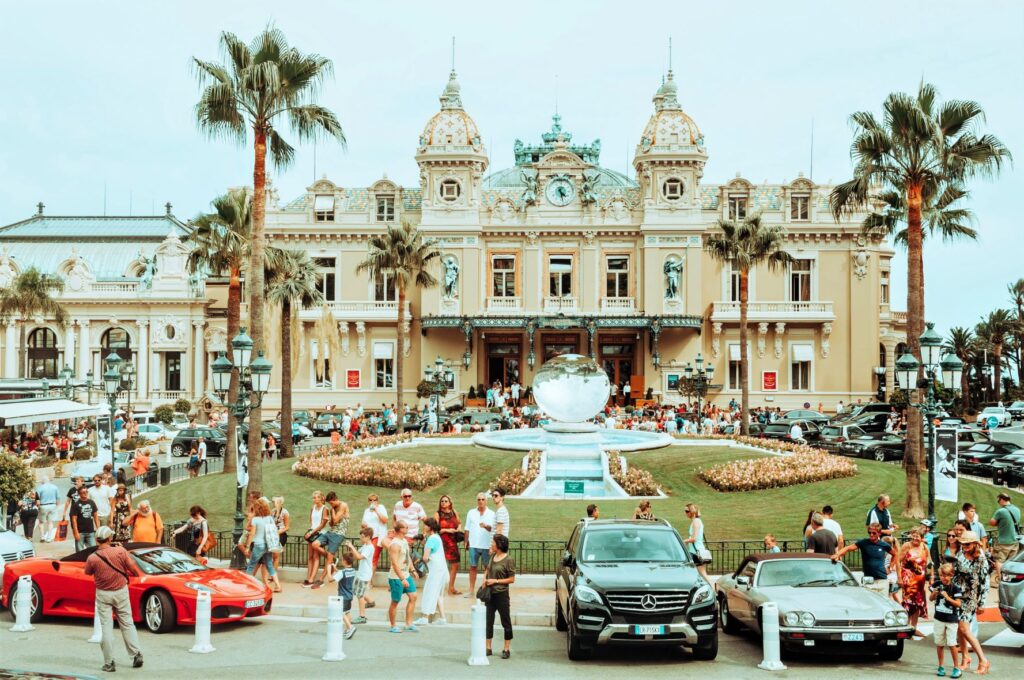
(913, 563)
(448, 518)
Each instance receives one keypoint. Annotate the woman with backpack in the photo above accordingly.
(264, 540)
(201, 539)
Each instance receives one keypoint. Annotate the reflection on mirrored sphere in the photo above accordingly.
(571, 388)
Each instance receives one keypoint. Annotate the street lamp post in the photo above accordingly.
(938, 370)
(438, 386)
(697, 381)
(254, 380)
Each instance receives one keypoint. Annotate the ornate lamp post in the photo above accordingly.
(697, 381)
(438, 384)
(938, 370)
(254, 380)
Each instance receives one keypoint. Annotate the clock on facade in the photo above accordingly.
(560, 191)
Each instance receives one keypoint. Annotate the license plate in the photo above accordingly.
(648, 630)
(853, 637)
(252, 604)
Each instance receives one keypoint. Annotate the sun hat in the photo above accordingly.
(968, 537)
(927, 522)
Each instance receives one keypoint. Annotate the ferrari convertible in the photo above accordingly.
(164, 597)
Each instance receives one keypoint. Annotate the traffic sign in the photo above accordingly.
(993, 422)
(572, 488)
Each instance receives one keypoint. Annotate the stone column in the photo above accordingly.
(11, 350)
(198, 359)
(142, 361)
(69, 347)
(85, 352)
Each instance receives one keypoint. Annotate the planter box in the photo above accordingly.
(476, 403)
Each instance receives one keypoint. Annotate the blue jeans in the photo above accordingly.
(259, 554)
(86, 540)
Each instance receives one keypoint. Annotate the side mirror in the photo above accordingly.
(743, 581)
(567, 560)
(866, 580)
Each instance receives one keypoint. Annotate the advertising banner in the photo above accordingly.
(769, 381)
(243, 459)
(945, 460)
(353, 378)
(104, 439)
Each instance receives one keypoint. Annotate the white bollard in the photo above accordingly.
(478, 636)
(335, 629)
(3, 565)
(202, 644)
(97, 627)
(23, 604)
(770, 638)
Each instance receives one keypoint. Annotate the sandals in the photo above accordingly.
(983, 667)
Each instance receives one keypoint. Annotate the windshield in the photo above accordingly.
(632, 545)
(165, 561)
(803, 572)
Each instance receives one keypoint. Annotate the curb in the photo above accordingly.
(379, 615)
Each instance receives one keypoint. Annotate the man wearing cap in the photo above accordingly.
(111, 566)
(409, 512)
(972, 577)
(1006, 520)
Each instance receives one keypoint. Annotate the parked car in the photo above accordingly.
(1001, 414)
(805, 414)
(179, 421)
(872, 421)
(297, 435)
(1011, 592)
(215, 438)
(854, 410)
(14, 547)
(780, 429)
(977, 460)
(1016, 410)
(965, 439)
(144, 417)
(820, 603)
(163, 598)
(87, 469)
(486, 419)
(1008, 469)
(153, 431)
(632, 582)
(834, 435)
(303, 417)
(322, 425)
(756, 429)
(880, 446)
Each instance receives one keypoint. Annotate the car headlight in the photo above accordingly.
(889, 619)
(902, 618)
(791, 618)
(703, 594)
(198, 587)
(806, 619)
(585, 594)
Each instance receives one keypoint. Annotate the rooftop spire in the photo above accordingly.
(450, 98)
(453, 54)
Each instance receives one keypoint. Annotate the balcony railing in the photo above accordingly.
(554, 305)
(623, 305)
(774, 311)
(104, 288)
(358, 310)
(501, 305)
(899, 317)
(168, 395)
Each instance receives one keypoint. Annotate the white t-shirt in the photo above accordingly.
(365, 572)
(373, 520)
(202, 451)
(501, 517)
(832, 526)
(795, 432)
(479, 537)
(101, 495)
(411, 516)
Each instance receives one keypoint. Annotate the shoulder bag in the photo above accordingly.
(272, 538)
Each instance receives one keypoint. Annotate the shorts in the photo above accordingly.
(48, 513)
(945, 633)
(330, 541)
(359, 587)
(478, 555)
(346, 605)
(375, 541)
(1004, 551)
(397, 589)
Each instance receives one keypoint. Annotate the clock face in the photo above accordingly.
(560, 191)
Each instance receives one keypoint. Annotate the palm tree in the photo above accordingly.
(962, 343)
(919, 149)
(941, 216)
(405, 255)
(29, 295)
(220, 243)
(994, 330)
(264, 82)
(292, 285)
(1016, 291)
(744, 246)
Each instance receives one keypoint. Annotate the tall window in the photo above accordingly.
(325, 277)
(385, 208)
(884, 295)
(734, 367)
(737, 207)
(118, 341)
(322, 375)
(384, 289)
(800, 367)
(503, 272)
(734, 285)
(617, 276)
(800, 281)
(799, 208)
(383, 365)
(42, 354)
(560, 276)
(323, 208)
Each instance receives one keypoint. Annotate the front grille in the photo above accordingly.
(656, 602)
(850, 623)
(15, 556)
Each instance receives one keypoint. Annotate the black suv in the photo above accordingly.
(632, 582)
(189, 437)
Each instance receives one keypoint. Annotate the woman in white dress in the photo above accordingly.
(432, 602)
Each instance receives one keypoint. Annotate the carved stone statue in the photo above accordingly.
(588, 188)
(673, 268)
(197, 283)
(148, 271)
(530, 192)
(7, 272)
(451, 277)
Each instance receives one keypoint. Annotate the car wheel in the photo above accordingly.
(880, 456)
(888, 653)
(729, 624)
(576, 650)
(177, 450)
(158, 612)
(561, 625)
(36, 608)
(708, 651)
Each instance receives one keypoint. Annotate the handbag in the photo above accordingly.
(460, 536)
(311, 536)
(483, 593)
(273, 540)
(62, 530)
(704, 555)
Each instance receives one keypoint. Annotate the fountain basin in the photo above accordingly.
(540, 439)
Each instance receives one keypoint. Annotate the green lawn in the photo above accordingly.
(727, 515)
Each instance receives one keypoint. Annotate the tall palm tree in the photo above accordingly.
(941, 216)
(292, 286)
(263, 83)
(220, 244)
(919, 149)
(1016, 291)
(31, 294)
(962, 343)
(744, 246)
(405, 255)
(994, 330)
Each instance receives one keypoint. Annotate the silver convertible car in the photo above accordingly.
(821, 605)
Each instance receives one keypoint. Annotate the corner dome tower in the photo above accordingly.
(451, 130)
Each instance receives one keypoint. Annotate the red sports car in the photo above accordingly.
(163, 597)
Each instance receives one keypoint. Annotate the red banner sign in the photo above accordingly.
(352, 379)
(769, 381)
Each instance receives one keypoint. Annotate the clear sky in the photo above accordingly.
(100, 95)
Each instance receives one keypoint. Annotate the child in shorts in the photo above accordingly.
(946, 595)
(364, 573)
(345, 576)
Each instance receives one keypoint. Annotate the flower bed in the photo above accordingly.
(348, 448)
(515, 481)
(392, 474)
(635, 481)
(804, 466)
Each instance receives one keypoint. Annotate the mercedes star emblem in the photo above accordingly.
(648, 602)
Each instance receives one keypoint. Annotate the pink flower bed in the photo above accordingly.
(392, 474)
(804, 466)
(635, 481)
(516, 480)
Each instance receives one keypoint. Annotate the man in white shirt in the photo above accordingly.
(202, 451)
(480, 526)
(795, 433)
(100, 494)
(410, 513)
(515, 393)
(501, 517)
(832, 525)
(375, 517)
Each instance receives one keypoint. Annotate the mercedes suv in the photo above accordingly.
(631, 582)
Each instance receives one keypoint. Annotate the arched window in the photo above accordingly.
(117, 340)
(42, 354)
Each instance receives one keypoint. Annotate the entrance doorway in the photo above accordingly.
(557, 344)
(617, 358)
(504, 358)
(172, 372)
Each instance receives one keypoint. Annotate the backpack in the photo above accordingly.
(272, 538)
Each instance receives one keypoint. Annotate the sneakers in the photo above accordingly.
(941, 672)
(109, 667)
(350, 632)
(359, 619)
(412, 629)
(395, 629)
(956, 673)
(316, 585)
(506, 653)
(370, 604)
(422, 621)
(307, 584)
(137, 661)
(440, 622)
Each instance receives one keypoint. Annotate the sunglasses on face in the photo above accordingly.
(950, 535)
(406, 496)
